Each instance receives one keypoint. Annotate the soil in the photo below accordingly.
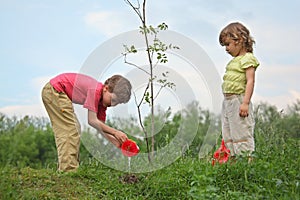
(129, 179)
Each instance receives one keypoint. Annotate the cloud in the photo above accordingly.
(33, 105)
(295, 94)
(277, 84)
(274, 79)
(39, 82)
(280, 101)
(36, 110)
(273, 39)
(109, 23)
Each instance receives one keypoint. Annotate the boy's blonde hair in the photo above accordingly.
(238, 32)
(120, 86)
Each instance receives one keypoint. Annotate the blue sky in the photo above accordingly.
(42, 38)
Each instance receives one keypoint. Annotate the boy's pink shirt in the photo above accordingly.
(83, 90)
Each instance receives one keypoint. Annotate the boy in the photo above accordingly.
(58, 97)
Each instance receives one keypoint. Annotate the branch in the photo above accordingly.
(140, 118)
(146, 89)
(134, 65)
(135, 8)
(161, 87)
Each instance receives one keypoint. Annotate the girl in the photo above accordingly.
(238, 84)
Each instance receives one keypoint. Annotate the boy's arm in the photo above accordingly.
(112, 139)
(250, 77)
(115, 136)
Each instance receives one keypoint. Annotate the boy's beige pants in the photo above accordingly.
(65, 126)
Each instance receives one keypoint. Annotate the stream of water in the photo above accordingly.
(129, 167)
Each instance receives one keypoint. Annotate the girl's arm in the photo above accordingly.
(250, 77)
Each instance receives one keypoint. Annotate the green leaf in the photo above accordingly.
(152, 29)
(163, 26)
(133, 49)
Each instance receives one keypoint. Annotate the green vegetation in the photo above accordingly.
(28, 165)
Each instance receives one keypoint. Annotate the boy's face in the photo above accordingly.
(108, 99)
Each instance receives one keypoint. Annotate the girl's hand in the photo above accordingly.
(244, 108)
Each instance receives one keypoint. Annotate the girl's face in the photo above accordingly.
(234, 47)
(108, 98)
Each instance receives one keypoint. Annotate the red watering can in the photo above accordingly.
(221, 155)
(129, 148)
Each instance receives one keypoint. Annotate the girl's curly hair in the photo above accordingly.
(238, 32)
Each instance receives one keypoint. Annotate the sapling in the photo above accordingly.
(156, 53)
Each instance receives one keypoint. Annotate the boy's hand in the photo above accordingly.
(116, 139)
(244, 108)
(120, 136)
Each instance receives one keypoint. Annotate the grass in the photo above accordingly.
(273, 174)
(187, 178)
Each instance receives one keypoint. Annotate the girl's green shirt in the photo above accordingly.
(234, 80)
